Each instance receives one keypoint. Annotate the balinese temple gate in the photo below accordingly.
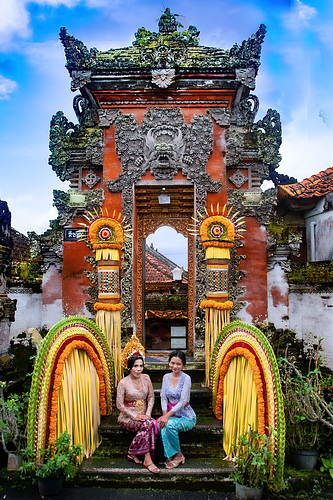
(167, 137)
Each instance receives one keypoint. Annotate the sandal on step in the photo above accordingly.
(152, 468)
(174, 462)
(135, 459)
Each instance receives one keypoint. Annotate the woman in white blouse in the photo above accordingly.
(177, 414)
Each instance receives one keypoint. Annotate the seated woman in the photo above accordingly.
(135, 400)
(178, 416)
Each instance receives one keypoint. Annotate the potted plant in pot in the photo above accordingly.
(253, 464)
(53, 464)
(306, 410)
(13, 425)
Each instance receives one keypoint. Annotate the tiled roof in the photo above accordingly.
(159, 268)
(316, 186)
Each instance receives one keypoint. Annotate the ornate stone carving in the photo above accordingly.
(261, 210)
(234, 147)
(85, 114)
(127, 282)
(70, 144)
(246, 76)
(221, 116)
(80, 79)
(67, 213)
(248, 53)
(238, 178)
(94, 148)
(163, 78)
(281, 258)
(244, 113)
(164, 144)
(241, 115)
(62, 133)
(91, 179)
(107, 116)
(77, 55)
(269, 138)
(165, 49)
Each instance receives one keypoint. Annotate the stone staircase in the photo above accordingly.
(205, 467)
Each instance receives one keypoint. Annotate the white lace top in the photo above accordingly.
(179, 395)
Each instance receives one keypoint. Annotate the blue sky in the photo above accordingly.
(295, 78)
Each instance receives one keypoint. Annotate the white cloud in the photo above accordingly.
(6, 87)
(14, 21)
(15, 18)
(307, 145)
(305, 12)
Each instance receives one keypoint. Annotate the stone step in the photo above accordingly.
(207, 428)
(156, 369)
(196, 474)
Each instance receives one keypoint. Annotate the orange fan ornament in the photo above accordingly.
(218, 230)
(106, 235)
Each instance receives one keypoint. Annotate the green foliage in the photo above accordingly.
(254, 460)
(61, 458)
(311, 273)
(327, 465)
(306, 408)
(13, 419)
(26, 272)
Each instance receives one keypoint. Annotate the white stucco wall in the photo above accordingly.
(319, 233)
(311, 317)
(28, 311)
(277, 297)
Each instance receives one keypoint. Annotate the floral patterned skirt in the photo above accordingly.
(144, 440)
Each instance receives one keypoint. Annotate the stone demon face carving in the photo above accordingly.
(163, 150)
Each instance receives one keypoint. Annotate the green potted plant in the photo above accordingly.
(253, 464)
(13, 425)
(53, 464)
(306, 409)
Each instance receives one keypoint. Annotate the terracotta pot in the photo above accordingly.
(50, 485)
(304, 459)
(14, 461)
(248, 493)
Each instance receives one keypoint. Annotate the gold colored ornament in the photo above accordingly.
(132, 348)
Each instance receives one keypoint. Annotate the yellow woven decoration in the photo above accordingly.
(216, 319)
(110, 324)
(107, 254)
(133, 347)
(217, 253)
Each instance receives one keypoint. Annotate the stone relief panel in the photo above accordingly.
(163, 144)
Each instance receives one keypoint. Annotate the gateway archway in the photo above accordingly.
(159, 204)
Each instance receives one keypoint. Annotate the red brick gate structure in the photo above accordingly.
(166, 131)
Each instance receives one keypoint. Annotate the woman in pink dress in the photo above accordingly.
(135, 401)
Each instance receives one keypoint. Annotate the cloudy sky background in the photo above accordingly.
(295, 78)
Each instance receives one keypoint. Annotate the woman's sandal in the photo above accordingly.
(174, 462)
(152, 468)
(135, 459)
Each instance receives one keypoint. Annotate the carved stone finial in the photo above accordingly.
(269, 137)
(248, 53)
(167, 23)
(77, 55)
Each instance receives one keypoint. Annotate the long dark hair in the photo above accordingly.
(132, 359)
(178, 354)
